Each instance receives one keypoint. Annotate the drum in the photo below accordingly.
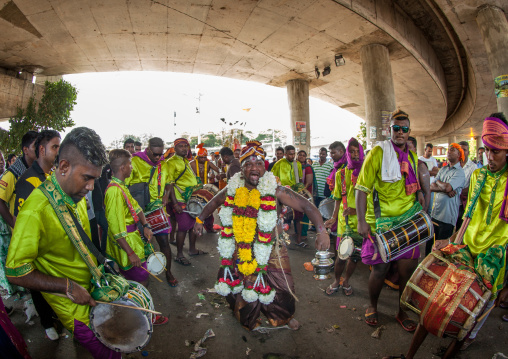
(404, 237)
(447, 299)
(347, 248)
(122, 329)
(156, 263)
(158, 220)
(308, 196)
(211, 188)
(326, 208)
(198, 200)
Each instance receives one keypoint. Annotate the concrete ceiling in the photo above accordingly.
(439, 64)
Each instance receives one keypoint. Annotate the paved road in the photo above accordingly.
(315, 311)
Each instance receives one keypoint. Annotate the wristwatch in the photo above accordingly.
(147, 225)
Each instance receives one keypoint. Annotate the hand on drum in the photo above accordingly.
(440, 244)
(350, 211)
(135, 261)
(502, 297)
(147, 232)
(198, 228)
(329, 223)
(80, 295)
(322, 241)
(363, 228)
(165, 199)
(177, 208)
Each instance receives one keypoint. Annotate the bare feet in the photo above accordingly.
(294, 324)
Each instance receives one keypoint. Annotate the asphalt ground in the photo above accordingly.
(332, 326)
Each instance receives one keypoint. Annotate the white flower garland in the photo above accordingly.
(266, 222)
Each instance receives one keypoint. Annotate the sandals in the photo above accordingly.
(347, 291)
(505, 318)
(173, 283)
(183, 261)
(331, 290)
(302, 245)
(407, 324)
(159, 320)
(199, 253)
(371, 318)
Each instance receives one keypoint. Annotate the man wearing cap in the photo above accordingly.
(255, 274)
(182, 180)
(447, 187)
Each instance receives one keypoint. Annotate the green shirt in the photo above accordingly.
(350, 194)
(393, 199)
(284, 170)
(175, 167)
(40, 242)
(141, 174)
(119, 217)
(7, 185)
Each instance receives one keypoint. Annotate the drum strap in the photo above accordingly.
(130, 206)
(180, 176)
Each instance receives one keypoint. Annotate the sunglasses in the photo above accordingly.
(156, 154)
(397, 128)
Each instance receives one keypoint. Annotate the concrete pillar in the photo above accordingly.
(479, 143)
(420, 143)
(298, 100)
(494, 29)
(379, 91)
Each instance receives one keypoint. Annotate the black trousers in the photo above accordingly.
(442, 231)
(46, 313)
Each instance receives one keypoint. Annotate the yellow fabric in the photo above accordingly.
(284, 170)
(141, 173)
(479, 236)
(119, 217)
(7, 184)
(174, 166)
(350, 193)
(39, 242)
(392, 196)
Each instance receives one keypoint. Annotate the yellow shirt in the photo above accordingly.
(7, 184)
(175, 166)
(350, 193)
(141, 174)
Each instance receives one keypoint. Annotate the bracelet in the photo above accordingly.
(69, 288)
(130, 254)
(199, 220)
(147, 225)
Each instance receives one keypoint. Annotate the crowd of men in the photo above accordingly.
(64, 204)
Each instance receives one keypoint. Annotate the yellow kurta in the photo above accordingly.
(7, 185)
(40, 242)
(285, 171)
(479, 235)
(141, 174)
(175, 166)
(350, 193)
(393, 199)
(119, 217)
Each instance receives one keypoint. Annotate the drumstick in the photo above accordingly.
(146, 270)
(115, 304)
(485, 314)
(153, 251)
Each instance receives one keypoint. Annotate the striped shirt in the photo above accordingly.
(322, 172)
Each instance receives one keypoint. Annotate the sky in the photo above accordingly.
(119, 103)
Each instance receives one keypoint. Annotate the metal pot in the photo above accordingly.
(323, 265)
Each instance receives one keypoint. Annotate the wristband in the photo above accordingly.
(147, 225)
(68, 289)
(199, 220)
(130, 254)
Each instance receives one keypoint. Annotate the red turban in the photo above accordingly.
(202, 152)
(252, 148)
(461, 151)
(495, 133)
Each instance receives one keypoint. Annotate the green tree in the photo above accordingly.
(211, 141)
(52, 112)
(362, 135)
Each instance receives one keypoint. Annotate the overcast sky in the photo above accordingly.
(120, 103)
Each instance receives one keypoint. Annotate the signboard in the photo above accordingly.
(301, 126)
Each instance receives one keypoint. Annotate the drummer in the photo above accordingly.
(202, 167)
(487, 231)
(142, 165)
(345, 207)
(41, 254)
(181, 178)
(397, 195)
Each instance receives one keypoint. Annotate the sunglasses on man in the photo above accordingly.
(397, 128)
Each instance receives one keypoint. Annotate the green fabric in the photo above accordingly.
(112, 287)
(174, 167)
(484, 204)
(40, 242)
(392, 196)
(350, 193)
(284, 170)
(141, 174)
(119, 217)
(384, 224)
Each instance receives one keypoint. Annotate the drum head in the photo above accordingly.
(308, 196)
(326, 208)
(121, 329)
(195, 206)
(346, 248)
(156, 263)
(138, 287)
(211, 188)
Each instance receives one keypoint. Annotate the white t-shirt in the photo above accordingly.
(431, 163)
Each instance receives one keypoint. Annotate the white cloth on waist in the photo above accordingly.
(390, 168)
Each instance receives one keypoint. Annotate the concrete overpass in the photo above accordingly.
(435, 59)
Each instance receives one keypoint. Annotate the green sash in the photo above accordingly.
(383, 224)
(106, 287)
